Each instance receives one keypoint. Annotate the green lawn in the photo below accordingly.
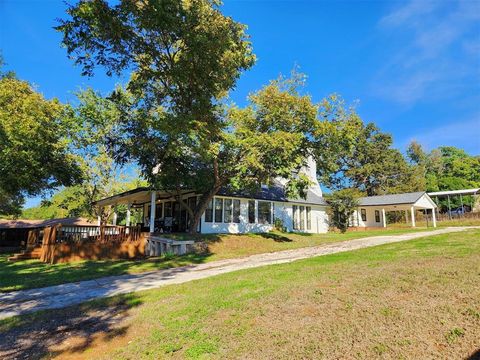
(415, 299)
(32, 273)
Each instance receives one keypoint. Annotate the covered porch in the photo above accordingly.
(372, 211)
(160, 211)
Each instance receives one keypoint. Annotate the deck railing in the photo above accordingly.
(76, 233)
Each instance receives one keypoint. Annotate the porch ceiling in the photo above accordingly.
(137, 196)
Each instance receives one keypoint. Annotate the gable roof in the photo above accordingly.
(275, 192)
(394, 199)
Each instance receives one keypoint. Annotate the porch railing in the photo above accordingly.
(101, 233)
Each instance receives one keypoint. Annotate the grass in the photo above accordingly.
(33, 273)
(415, 299)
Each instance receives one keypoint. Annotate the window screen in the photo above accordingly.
(251, 211)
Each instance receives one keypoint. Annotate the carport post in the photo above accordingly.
(406, 217)
(152, 211)
(412, 212)
(449, 208)
(434, 219)
(384, 218)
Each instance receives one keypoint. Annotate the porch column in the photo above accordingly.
(127, 220)
(152, 211)
(114, 221)
(129, 214)
(434, 218)
(412, 212)
(384, 218)
(99, 220)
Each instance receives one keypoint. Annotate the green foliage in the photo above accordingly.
(68, 202)
(93, 129)
(183, 57)
(363, 156)
(34, 154)
(279, 225)
(446, 168)
(342, 206)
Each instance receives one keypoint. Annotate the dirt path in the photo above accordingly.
(59, 296)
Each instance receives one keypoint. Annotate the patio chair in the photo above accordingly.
(168, 224)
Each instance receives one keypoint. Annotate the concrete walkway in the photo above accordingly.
(25, 301)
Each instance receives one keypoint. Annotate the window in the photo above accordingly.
(264, 212)
(377, 216)
(309, 218)
(295, 217)
(228, 211)
(218, 209)
(251, 211)
(236, 211)
(302, 217)
(364, 214)
(209, 211)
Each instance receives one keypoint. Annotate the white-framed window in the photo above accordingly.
(264, 212)
(209, 212)
(363, 212)
(218, 210)
(227, 210)
(309, 217)
(236, 211)
(251, 211)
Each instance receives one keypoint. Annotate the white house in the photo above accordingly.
(231, 212)
(372, 209)
(239, 212)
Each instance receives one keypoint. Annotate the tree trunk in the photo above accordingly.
(205, 198)
(200, 209)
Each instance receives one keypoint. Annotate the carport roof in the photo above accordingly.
(394, 199)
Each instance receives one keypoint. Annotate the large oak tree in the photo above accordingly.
(34, 154)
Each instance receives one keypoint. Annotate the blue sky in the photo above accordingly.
(413, 66)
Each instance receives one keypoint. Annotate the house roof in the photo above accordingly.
(276, 192)
(30, 224)
(455, 192)
(394, 199)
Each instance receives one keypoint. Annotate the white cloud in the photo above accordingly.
(463, 134)
(434, 35)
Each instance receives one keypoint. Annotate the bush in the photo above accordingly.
(342, 206)
(279, 225)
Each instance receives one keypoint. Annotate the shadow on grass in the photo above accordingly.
(275, 237)
(475, 355)
(35, 274)
(65, 331)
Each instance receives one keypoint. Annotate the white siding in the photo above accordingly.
(281, 210)
(357, 217)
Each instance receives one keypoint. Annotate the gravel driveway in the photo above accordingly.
(25, 301)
